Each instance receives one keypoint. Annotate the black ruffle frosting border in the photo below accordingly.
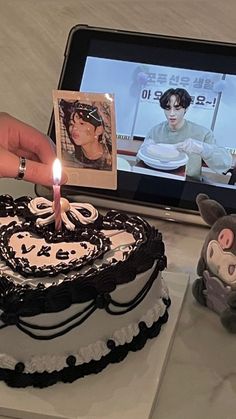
(15, 378)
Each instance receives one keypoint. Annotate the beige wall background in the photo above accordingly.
(33, 35)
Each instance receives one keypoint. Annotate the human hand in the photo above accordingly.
(190, 146)
(18, 139)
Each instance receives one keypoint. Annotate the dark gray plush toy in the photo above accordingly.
(216, 285)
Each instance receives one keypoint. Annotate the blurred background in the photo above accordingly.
(33, 36)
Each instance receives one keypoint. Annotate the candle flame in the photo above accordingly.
(56, 171)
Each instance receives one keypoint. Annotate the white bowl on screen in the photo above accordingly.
(155, 163)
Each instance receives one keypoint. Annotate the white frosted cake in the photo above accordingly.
(75, 300)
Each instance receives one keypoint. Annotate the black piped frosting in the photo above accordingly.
(11, 207)
(71, 360)
(19, 367)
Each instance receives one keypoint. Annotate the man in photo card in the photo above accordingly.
(86, 130)
(86, 137)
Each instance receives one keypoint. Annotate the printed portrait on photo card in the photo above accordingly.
(86, 137)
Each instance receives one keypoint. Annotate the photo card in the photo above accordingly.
(86, 137)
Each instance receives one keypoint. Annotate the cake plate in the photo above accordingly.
(126, 390)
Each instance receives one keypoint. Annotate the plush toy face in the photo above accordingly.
(220, 259)
(216, 285)
(219, 250)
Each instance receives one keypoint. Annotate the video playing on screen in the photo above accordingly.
(171, 122)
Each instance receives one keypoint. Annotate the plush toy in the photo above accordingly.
(216, 285)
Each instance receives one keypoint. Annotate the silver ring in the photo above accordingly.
(21, 168)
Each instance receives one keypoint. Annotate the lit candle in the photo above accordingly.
(57, 193)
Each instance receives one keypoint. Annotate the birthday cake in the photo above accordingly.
(74, 300)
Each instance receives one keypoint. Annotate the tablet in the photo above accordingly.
(144, 71)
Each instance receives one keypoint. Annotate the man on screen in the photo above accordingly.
(195, 140)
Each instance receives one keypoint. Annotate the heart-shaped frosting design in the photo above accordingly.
(29, 250)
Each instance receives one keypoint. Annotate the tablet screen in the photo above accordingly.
(175, 112)
(138, 88)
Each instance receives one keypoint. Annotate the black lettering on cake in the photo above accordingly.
(20, 236)
(62, 254)
(84, 245)
(73, 252)
(24, 249)
(44, 251)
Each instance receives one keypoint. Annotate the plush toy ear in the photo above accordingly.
(209, 209)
